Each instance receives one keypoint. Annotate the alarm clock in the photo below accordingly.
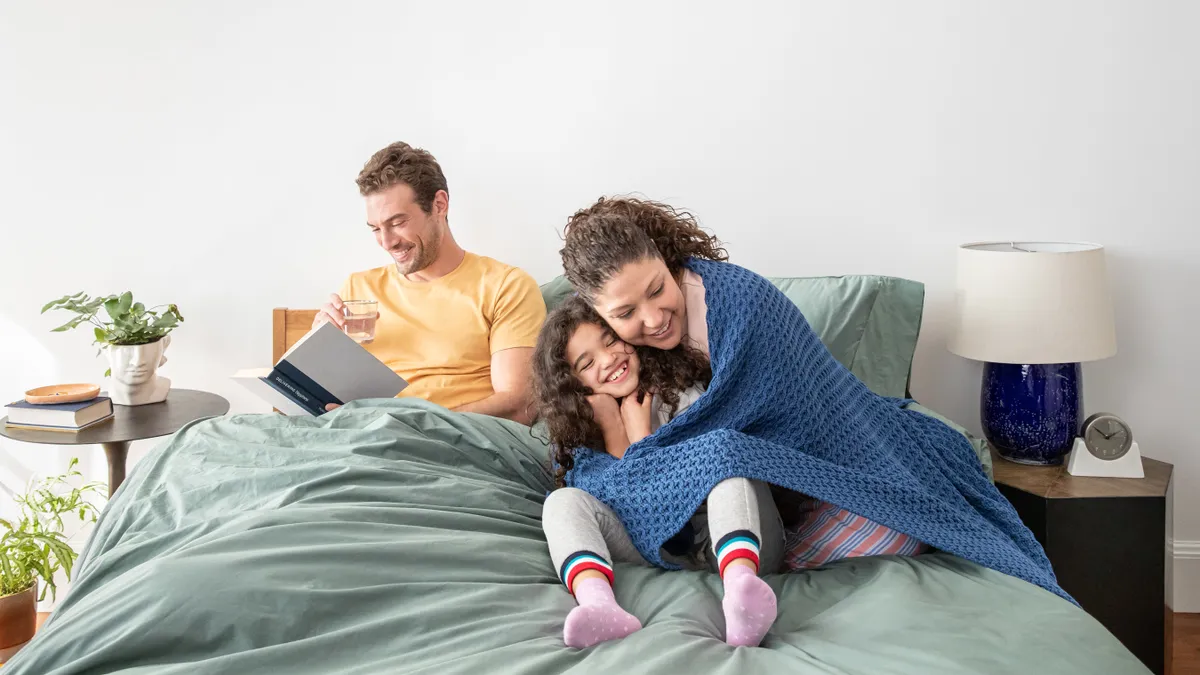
(1105, 447)
(1106, 436)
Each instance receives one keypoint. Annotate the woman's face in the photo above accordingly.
(643, 305)
(602, 363)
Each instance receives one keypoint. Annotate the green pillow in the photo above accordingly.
(555, 291)
(869, 323)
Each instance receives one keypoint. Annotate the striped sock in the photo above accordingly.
(598, 618)
(750, 607)
(736, 544)
(583, 560)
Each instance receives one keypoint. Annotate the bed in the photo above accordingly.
(394, 536)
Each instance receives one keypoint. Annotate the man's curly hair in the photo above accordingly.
(402, 163)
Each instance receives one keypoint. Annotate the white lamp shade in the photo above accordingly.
(1032, 302)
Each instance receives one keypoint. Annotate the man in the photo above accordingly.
(459, 327)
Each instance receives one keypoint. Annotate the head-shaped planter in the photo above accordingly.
(135, 379)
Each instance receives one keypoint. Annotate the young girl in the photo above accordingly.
(594, 390)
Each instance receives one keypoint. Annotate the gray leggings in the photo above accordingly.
(577, 523)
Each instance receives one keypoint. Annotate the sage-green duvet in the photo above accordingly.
(395, 537)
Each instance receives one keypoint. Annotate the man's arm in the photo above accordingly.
(512, 372)
(516, 317)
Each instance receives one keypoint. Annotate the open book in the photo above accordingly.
(325, 366)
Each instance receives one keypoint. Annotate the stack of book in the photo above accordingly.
(69, 417)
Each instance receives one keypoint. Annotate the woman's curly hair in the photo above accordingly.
(614, 232)
(561, 398)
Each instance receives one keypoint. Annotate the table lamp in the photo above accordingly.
(1032, 312)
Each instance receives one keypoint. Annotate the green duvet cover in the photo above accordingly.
(396, 537)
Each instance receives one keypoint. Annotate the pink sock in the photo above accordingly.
(598, 617)
(749, 606)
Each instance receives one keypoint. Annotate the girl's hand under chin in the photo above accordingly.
(635, 415)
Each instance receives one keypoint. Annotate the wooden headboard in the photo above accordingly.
(288, 326)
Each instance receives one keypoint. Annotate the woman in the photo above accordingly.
(628, 258)
(780, 409)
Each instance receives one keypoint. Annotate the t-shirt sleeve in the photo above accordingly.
(519, 312)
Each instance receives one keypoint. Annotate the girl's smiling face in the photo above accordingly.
(602, 362)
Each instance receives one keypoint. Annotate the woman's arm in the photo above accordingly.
(635, 415)
(615, 440)
(608, 416)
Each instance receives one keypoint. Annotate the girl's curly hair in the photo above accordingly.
(614, 232)
(561, 398)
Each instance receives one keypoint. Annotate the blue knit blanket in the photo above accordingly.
(781, 409)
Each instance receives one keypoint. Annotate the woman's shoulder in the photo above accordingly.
(702, 266)
(717, 271)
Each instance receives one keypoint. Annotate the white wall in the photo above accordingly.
(204, 154)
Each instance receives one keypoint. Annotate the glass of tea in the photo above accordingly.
(360, 319)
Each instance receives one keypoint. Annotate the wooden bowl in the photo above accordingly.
(62, 393)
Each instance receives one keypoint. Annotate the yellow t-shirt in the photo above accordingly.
(440, 335)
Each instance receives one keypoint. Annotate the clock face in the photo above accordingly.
(1107, 436)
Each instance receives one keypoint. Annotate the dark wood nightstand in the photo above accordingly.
(1106, 538)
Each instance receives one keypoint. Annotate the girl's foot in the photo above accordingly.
(749, 606)
(598, 617)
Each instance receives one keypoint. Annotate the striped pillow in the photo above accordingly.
(831, 533)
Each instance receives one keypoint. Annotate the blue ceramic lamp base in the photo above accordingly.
(1031, 413)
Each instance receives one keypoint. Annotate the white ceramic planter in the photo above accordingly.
(135, 379)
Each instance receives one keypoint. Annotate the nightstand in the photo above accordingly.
(130, 423)
(1106, 538)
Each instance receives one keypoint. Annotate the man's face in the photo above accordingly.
(402, 228)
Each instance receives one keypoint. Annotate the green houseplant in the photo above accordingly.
(134, 337)
(33, 548)
(129, 322)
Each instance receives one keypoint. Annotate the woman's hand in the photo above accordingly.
(636, 415)
(605, 409)
(608, 416)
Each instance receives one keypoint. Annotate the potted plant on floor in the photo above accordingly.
(134, 337)
(33, 548)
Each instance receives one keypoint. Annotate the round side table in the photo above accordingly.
(128, 424)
